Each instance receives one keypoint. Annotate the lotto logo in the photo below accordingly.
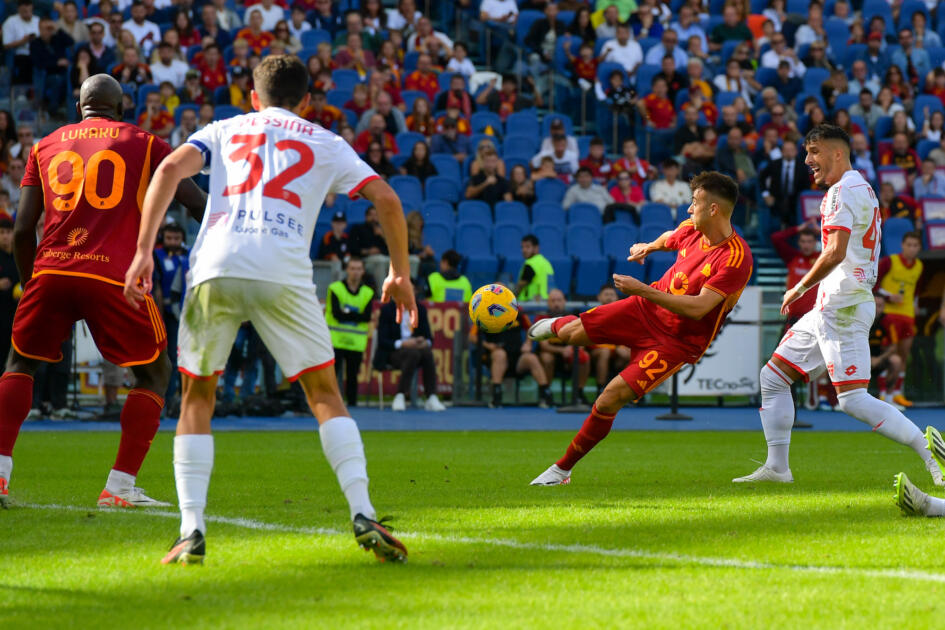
(859, 274)
(850, 371)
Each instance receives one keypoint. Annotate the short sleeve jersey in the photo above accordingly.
(269, 174)
(94, 175)
(851, 206)
(724, 268)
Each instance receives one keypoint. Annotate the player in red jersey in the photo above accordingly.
(89, 179)
(667, 324)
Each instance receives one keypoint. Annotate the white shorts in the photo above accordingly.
(835, 340)
(289, 321)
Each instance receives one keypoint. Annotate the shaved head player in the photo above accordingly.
(89, 179)
(834, 336)
(666, 325)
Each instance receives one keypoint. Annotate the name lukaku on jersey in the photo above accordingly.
(246, 218)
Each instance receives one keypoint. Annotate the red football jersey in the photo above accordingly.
(94, 175)
(724, 268)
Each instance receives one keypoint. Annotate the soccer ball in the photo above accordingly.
(493, 308)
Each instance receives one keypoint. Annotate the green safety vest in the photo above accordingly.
(443, 290)
(347, 335)
(538, 287)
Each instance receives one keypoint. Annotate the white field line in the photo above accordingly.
(706, 561)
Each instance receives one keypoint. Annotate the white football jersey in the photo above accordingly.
(269, 174)
(851, 205)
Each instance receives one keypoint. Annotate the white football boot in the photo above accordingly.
(399, 404)
(766, 474)
(433, 404)
(541, 330)
(554, 476)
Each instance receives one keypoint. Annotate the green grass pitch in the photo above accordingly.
(651, 533)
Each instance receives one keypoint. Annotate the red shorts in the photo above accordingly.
(653, 356)
(899, 327)
(52, 303)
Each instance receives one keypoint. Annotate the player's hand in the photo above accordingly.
(400, 289)
(138, 278)
(790, 296)
(639, 252)
(628, 284)
(895, 298)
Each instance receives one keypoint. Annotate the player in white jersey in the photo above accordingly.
(269, 173)
(834, 336)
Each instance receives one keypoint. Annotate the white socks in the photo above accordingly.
(936, 507)
(119, 482)
(341, 442)
(193, 462)
(6, 466)
(777, 416)
(885, 420)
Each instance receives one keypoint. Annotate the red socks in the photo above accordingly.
(16, 398)
(562, 321)
(140, 419)
(594, 429)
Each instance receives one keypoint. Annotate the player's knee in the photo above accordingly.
(614, 397)
(772, 381)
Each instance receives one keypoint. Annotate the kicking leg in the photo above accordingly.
(914, 502)
(567, 329)
(777, 418)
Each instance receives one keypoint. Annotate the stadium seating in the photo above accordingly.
(591, 266)
(893, 175)
(406, 139)
(337, 98)
(345, 79)
(437, 236)
(222, 112)
(617, 240)
(550, 190)
(507, 242)
(445, 188)
(511, 213)
(356, 210)
(409, 189)
(479, 121)
(312, 38)
(547, 213)
(438, 211)
(923, 102)
(447, 166)
(893, 229)
(474, 211)
(656, 214)
(522, 124)
(550, 118)
(584, 214)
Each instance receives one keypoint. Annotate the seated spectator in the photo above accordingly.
(335, 245)
(70, 24)
(782, 53)
(607, 359)
(841, 118)
(910, 59)
(484, 148)
(607, 29)
(558, 129)
(565, 159)
(456, 96)
(407, 349)
(146, 33)
(817, 57)
(376, 158)
(639, 169)
(255, 35)
(422, 258)
(184, 27)
(239, 89)
(522, 187)
(366, 241)
(425, 36)
(459, 61)
(297, 23)
(732, 28)
(933, 127)
(938, 153)
(420, 119)
(168, 67)
(193, 91)
(733, 81)
(131, 70)
(815, 116)
(896, 205)
(734, 161)
(554, 354)
(103, 54)
(667, 47)
(930, 183)
(373, 16)
(450, 141)
(767, 149)
(210, 27)
(782, 182)
(326, 16)
(448, 284)
(676, 81)
(687, 26)
(860, 156)
(462, 123)
(169, 98)
(787, 86)
(596, 161)
(584, 65)
(902, 155)
(404, 17)
(584, 190)
(424, 78)
(155, 118)
(689, 132)
(488, 185)
(706, 107)
(626, 191)
(656, 109)
(10, 181)
(862, 81)
(866, 110)
(902, 123)
(392, 59)
(730, 119)
(211, 68)
(670, 190)
(319, 111)
(510, 348)
(358, 103)
(186, 128)
(620, 97)
(778, 122)
(353, 56)
(419, 164)
(506, 100)
(545, 170)
(392, 117)
(83, 66)
(623, 50)
(49, 53)
(900, 87)
(205, 115)
(270, 11)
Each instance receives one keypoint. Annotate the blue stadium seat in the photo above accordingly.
(525, 20)
(410, 96)
(410, 62)
(846, 101)
(480, 120)
(936, 54)
(511, 213)
(814, 77)
(657, 214)
(550, 240)
(445, 77)
(728, 48)
(406, 139)
(893, 230)
(647, 42)
(507, 244)
(522, 124)
(474, 211)
(547, 213)
(437, 236)
(850, 53)
(345, 79)
(766, 76)
(337, 98)
(350, 117)
(550, 118)
(723, 98)
(147, 88)
(474, 241)
(313, 37)
(881, 8)
(180, 109)
(222, 112)
(447, 166)
(923, 149)
(550, 190)
(356, 210)
(836, 29)
(883, 127)
(657, 264)
(617, 240)
(909, 7)
(521, 146)
(583, 245)
(437, 211)
(511, 161)
(584, 146)
(399, 160)
(442, 188)
(221, 95)
(644, 78)
(409, 189)
(584, 214)
(682, 211)
(605, 69)
(921, 102)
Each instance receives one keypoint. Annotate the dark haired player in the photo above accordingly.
(834, 336)
(270, 171)
(665, 325)
(89, 179)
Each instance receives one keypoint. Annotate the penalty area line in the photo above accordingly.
(684, 559)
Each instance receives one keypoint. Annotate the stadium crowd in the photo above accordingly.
(509, 126)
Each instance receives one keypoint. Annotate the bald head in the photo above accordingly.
(100, 96)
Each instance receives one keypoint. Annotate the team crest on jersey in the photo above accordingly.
(77, 237)
(682, 286)
(707, 270)
(830, 370)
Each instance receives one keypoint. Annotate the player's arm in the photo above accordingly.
(640, 251)
(391, 216)
(833, 254)
(24, 230)
(689, 306)
(192, 197)
(186, 161)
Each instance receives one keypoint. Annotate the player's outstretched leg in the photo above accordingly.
(16, 397)
(936, 445)
(595, 428)
(140, 420)
(344, 450)
(567, 328)
(889, 422)
(914, 502)
(777, 418)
